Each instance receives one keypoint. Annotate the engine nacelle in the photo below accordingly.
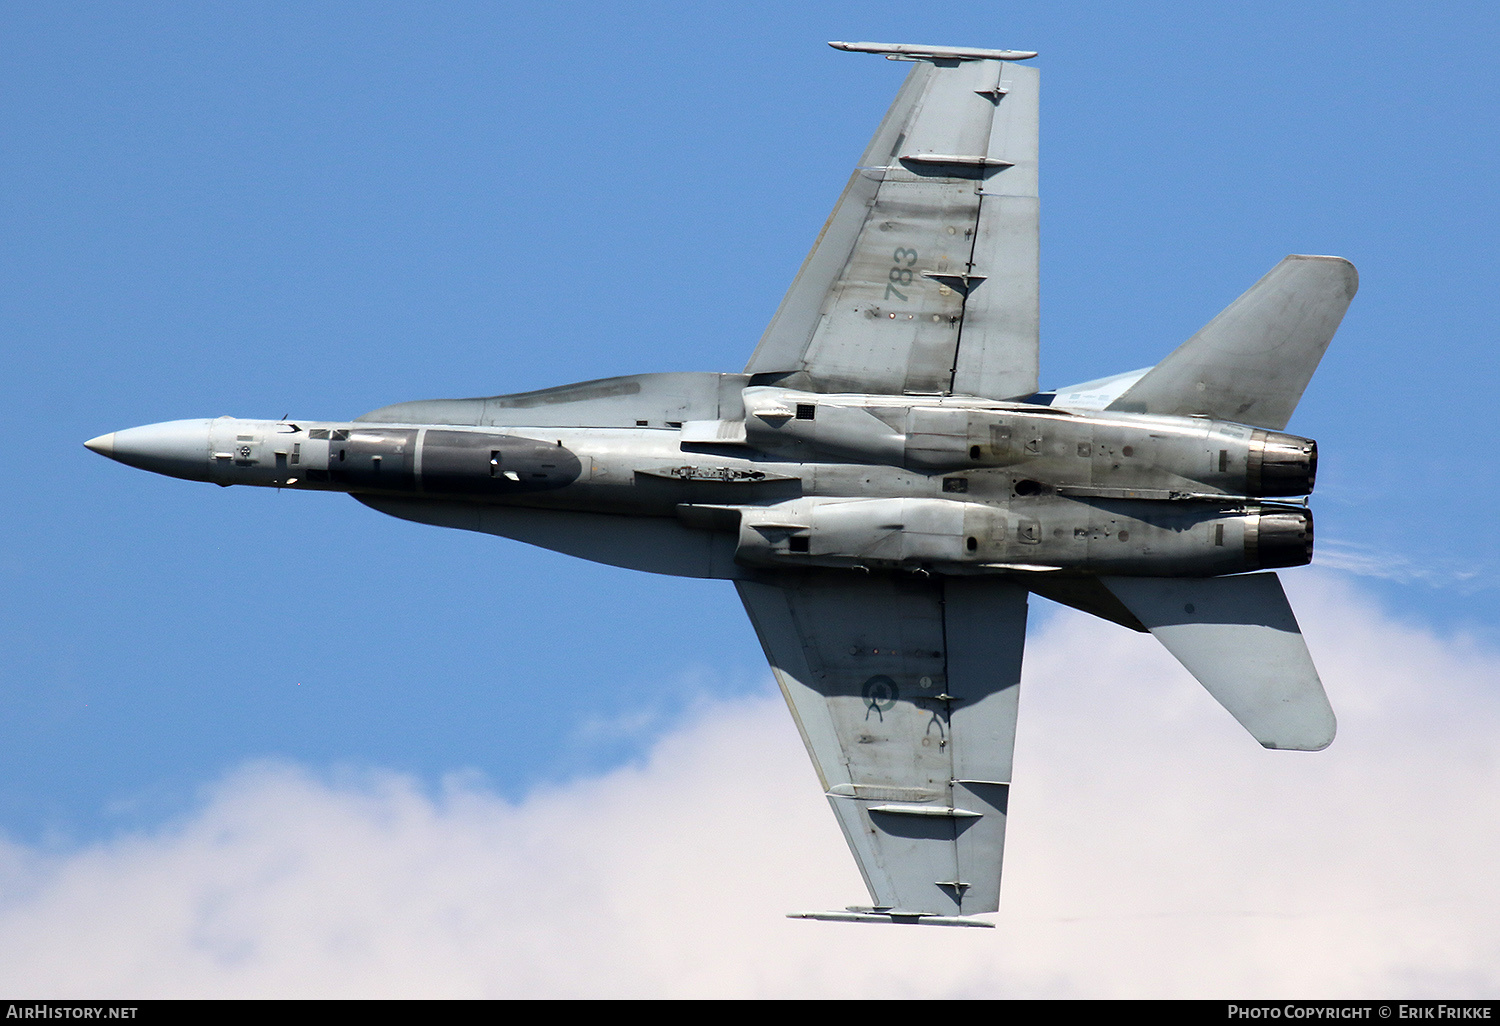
(1113, 454)
(865, 532)
(1050, 533)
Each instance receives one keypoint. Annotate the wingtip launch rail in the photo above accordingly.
(916, 51)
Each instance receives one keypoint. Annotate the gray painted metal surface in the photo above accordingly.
(1239, 637)
(925, 277)
(905, 693)
(886, 486)
(1252, 362)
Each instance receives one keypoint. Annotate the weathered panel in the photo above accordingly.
(997, 351)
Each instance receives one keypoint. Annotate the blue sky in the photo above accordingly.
(267, 209)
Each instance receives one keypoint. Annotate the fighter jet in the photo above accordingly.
(886, 486)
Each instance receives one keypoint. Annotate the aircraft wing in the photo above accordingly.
(924, 279)
(905, 692)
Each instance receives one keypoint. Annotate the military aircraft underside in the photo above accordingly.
(886, 486)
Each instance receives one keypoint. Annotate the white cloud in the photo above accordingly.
(1385, 562)
(1154, 849)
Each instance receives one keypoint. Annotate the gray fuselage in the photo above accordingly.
(773, 477)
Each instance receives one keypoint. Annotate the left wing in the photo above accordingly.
(924, 279)
(904, 690)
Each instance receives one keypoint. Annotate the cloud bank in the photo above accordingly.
(1154, 850)
(1466, 576)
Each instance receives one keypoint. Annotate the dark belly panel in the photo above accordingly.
(477, 463)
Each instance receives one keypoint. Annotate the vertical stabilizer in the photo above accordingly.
(1252, 363)
(1239, 637)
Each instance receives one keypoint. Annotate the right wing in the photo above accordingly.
(904, 691)
(924, 279)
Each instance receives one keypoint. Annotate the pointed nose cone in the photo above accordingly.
(177, 448)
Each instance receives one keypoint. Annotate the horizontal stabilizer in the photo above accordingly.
(1252, 363)
(1238, 636)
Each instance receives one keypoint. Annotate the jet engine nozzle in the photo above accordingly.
(1281, 464)
(1279, 538)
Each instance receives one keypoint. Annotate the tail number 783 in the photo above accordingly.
(901, 274)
